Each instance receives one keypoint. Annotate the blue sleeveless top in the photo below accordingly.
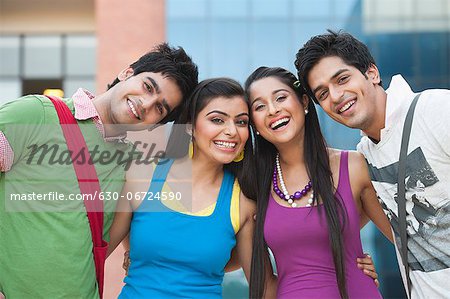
(175, 255)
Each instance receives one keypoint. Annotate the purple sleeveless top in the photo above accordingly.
(298, 238)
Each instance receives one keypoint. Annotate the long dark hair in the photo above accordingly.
(318, 169)
(178, 143)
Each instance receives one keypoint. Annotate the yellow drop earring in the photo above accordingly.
(239, 157)
(191, 149)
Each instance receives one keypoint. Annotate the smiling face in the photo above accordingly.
(143, 99)
(345, 94)
(277, 113)
(221, 129)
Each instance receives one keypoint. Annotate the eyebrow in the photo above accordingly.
(242, 114)
(273, 92)
(225, 114)
(158, 91)
(331, 78)
(155, 85)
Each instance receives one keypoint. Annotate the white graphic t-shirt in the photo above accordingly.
(427, 183)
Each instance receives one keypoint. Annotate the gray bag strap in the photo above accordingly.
(401, 190)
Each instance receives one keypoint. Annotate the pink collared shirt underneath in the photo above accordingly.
(84, 109)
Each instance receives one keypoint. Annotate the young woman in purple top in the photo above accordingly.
(312, 200)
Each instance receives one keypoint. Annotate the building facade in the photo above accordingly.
(85, 43)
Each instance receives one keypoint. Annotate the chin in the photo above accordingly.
(224, 160)
(353, 124)
(284, 139)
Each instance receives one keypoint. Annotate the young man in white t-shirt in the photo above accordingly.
(338, 72)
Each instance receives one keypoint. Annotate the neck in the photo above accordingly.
(292, 153)
(373, 130)
(205, 172)
(102, 104)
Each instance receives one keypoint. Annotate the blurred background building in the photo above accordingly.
(53, 44)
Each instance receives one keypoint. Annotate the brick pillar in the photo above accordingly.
(125, 30)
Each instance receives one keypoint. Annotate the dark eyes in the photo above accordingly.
(259, 107)
(322, 96)
(239, 122)
(281, 98)
(343, 79)
(242, 122)
(148, 87)
(324, 93)
(160, 108)
(278, 99)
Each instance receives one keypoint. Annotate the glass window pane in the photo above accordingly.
(304, 30)
(71, 85)
(433, 50)
(42, 57)
(347, 8)
(390, 48)
(80, 55)
(270, 8)
(337, 135)
(229, 8)
(186, 9)
(9, 55)
(11, 89)
(228, 45)
(312, 9)
(270, 44)
(191, 35)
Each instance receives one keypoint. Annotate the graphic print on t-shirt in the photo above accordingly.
(427, 209)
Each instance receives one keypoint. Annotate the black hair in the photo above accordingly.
(206, 91)
(318, 169)
(343, 45)
(172, 63)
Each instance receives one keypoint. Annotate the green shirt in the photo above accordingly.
(46, 245)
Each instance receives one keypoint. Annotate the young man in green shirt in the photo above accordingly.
(45, 238)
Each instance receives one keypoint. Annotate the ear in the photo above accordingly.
(189, 130)
(305, 101)
(125, 74)
(373, 74)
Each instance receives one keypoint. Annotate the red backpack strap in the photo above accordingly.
(88, 183)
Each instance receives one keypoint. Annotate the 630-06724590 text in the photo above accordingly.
(57, 196)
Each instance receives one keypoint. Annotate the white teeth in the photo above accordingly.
(225, 144)
(284, 119)
(132, 108)
(346, 106)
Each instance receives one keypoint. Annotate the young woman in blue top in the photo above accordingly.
(180, 248)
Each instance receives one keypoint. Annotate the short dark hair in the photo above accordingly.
(343, 45)
(172, 63)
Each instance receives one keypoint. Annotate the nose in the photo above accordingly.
(336, 93)
(147, 104)
(230, 129)
(273, 108)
